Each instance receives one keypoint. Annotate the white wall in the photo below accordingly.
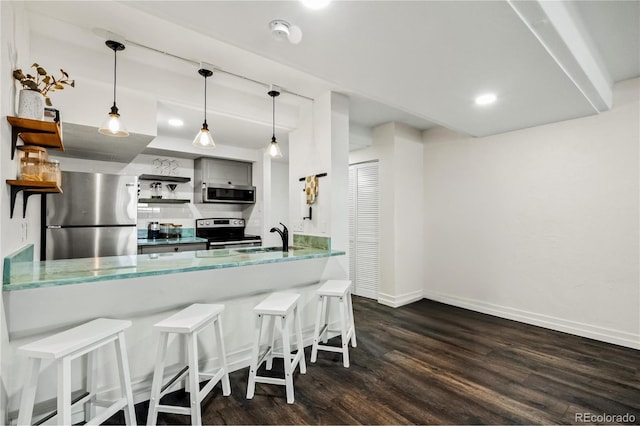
(540, 225)
(279, 202)
(409, 205)
(14, 49)
(321, 145)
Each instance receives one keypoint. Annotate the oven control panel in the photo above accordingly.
(220, 223)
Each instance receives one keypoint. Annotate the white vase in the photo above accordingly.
(31, 104)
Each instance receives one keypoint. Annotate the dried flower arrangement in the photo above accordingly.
(42, 81)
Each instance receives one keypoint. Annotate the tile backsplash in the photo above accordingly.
(183, 214)
(315, 241)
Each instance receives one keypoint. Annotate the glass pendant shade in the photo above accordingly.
(203, 138)
(273, 149)
(112, 125)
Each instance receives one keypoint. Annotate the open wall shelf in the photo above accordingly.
(46, 134)
(163, 200)
(29, 188)
(35, 132)
(163, 178)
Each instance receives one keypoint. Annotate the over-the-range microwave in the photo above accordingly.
(223, 193)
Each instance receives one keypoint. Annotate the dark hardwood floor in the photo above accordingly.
(431, 363)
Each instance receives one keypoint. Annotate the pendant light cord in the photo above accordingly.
(273, 121)
(205, 101)
(115, 68)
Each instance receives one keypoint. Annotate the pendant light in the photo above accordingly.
(203, 138)
(112, 126)
(274, 150)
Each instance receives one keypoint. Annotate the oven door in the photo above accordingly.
(215, 245)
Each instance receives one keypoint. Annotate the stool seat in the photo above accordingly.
(341, 290)
(190, 318)
(66, 346)
(281, 309)
(188, 323)
(277, 304)
(72, 340)
(334, 288)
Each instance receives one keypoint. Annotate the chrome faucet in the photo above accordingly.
(284, 234)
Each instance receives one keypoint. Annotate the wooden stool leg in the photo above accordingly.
(157, 379)
(352, 320)
(286, 354)
(125, 380)
(226, 386)
(300, 344)
(64, 391)
(253, 368)
(316, 331)
(29, 392)
(194, 380)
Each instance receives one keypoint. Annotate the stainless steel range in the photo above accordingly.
(225, 233)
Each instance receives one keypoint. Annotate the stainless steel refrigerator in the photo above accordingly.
(95, 216)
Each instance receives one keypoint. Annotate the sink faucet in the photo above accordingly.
(284, 234)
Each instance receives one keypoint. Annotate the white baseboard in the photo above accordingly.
(401, 300)
(590, 331)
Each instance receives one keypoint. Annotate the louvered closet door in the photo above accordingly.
(364, 229)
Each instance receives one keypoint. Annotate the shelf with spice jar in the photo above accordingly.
(36, 174)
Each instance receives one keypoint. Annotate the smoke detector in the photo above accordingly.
(283, 30)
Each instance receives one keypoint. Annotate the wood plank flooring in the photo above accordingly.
(431, 363)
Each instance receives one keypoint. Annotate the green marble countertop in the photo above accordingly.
(165, 241)
(30, 275)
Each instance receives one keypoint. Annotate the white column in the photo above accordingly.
(398, 148)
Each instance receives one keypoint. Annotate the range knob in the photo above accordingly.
(207, 223)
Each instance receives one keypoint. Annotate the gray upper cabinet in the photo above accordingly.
(216, 171)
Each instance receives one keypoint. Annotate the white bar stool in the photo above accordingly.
(342, 290)
(282, 309)
(67, 346)
(188, 322)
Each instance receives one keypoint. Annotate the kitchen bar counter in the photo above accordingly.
(42, 298)
(20, 275)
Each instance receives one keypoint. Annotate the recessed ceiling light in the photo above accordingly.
(486, 99)
(316, 4)
(176, 122)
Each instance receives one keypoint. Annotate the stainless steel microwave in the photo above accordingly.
(222, 193)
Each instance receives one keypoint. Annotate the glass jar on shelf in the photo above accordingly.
(52, 172)
(156, 190)
(32, 161)
(165, 230)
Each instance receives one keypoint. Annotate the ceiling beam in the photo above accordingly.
(559, 28)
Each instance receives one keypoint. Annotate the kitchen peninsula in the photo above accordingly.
(41, 298)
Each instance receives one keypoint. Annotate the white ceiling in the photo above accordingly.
(418, 62)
